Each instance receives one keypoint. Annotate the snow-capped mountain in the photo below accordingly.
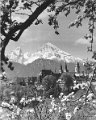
(47, 51)
(27, 55)
(50, 51)
(17, 55)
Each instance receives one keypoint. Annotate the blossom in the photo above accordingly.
(5, 104)
(22, 100)
(68, 116)
(50, 110)
(76, 109)
(30, 110)
(90, 96)
(18, 111)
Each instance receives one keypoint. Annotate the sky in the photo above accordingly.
(69, 40)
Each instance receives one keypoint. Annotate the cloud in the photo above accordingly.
(18, 18)
(34, 33)
(84, 41)
(45, 14)
(27, 36)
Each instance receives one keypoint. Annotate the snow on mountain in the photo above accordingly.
(47, 51)
(16, 55)
(50, 51)
(27, 55)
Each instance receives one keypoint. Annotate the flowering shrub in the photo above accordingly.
(80, 105)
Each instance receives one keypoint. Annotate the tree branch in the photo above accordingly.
(3, 32)
(26, 24)
(18, 36)
(37, 12)
(29, 21)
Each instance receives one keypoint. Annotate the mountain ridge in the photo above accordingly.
(47, 51)
(34, 68)
(47, 57)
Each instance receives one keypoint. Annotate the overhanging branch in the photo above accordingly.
(30, 20)
(18, 35)
(37, 12)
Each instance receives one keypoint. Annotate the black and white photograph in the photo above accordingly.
(47, 59)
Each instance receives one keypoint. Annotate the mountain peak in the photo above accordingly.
(16, 55)
(49, 46)
(18, 48)
(47, 51)
(52, 48)
(18, 51)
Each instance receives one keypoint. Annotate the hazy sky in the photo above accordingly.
(70, 40)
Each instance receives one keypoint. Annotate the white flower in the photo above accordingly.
(30, 110)
(76, 109)
(59, 109)
(59, 80)
(39, 99)
(90, 96)
(18, 111)
(33, 99)
(80, 99)
(68, 116)
(55, 108)
(22, 100)
(50, 96)
(61, 94)
(50, 110)
(13, 99)
(5, 104)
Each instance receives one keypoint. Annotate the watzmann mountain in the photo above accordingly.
(47, 57)
(47, 51)
(16, 55)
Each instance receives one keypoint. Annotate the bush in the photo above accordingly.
(67, 82)
(50, 86)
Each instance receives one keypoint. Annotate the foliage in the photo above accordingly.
(49, 82)
(94, 55)
(67, 80)
(24, 102)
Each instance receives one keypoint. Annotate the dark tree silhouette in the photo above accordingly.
(49, 82)
(51, 87)
(67, 82)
